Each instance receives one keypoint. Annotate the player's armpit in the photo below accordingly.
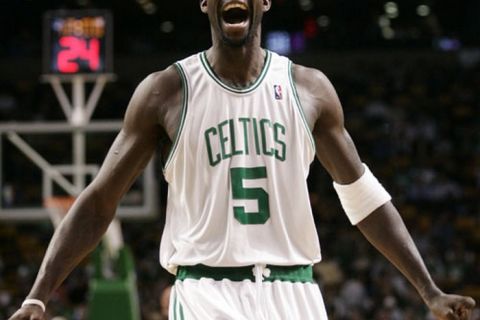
(151, 111)
(323, 110)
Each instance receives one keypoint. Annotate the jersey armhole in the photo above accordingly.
(299, 106)
(173, 149)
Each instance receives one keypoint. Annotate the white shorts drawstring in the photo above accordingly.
(260, 271)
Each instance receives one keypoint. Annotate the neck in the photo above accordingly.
(237, 66)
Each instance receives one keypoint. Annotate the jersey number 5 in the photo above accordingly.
(239, 192)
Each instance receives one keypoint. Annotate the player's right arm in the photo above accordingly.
(154, 105)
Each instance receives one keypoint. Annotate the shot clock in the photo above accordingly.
(77, 42)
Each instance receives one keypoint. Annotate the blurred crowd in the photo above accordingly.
(417, 126)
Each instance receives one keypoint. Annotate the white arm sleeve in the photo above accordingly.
(362, 197)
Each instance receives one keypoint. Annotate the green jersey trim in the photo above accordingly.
(296, 273)
(181, 72)
(299, 106)
(250, 88)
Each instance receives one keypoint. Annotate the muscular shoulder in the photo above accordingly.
(317, 95)
(164, 85)
(156, 98)
(158, 92)
(309, 78)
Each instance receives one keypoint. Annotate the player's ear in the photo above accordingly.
(266, 5)
(203, 6)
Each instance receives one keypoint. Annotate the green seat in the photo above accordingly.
(115, 298)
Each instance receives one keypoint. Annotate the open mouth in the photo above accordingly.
(235, 13)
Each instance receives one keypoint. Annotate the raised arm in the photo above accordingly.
(382, 226)
(153, 105)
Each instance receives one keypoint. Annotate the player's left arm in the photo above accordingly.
(383, 227)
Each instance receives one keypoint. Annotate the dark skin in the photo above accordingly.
(154, 112)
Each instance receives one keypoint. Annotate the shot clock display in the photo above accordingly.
(77, 41)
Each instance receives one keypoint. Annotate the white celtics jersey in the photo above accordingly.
(237, 172)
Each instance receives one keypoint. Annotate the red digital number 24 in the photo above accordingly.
(73, 49)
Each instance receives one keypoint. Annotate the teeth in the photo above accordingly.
(235, 5)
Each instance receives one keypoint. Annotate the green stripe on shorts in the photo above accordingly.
(297, 273)
(179, 311)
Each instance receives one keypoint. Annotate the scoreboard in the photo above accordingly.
(77, 41)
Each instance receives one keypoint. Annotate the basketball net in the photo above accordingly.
(58, 206)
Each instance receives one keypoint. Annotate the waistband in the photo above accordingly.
(296, 273)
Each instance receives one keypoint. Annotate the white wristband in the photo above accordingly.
(361, 197)
(34, 302)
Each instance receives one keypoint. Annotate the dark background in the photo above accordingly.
(353, 24)
(410, 94)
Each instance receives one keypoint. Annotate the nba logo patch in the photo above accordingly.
(278, 91)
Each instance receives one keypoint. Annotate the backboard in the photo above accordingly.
(36, 162)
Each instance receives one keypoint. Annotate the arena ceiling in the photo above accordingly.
(153, 25)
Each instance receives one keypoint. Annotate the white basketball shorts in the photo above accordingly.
(246, 293)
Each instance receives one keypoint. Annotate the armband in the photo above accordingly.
(361, 197)
(35, 302)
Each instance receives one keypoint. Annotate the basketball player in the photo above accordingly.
(245, 125)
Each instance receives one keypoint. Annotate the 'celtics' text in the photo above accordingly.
(244, 136)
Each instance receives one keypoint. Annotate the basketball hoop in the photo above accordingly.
(57, 207)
